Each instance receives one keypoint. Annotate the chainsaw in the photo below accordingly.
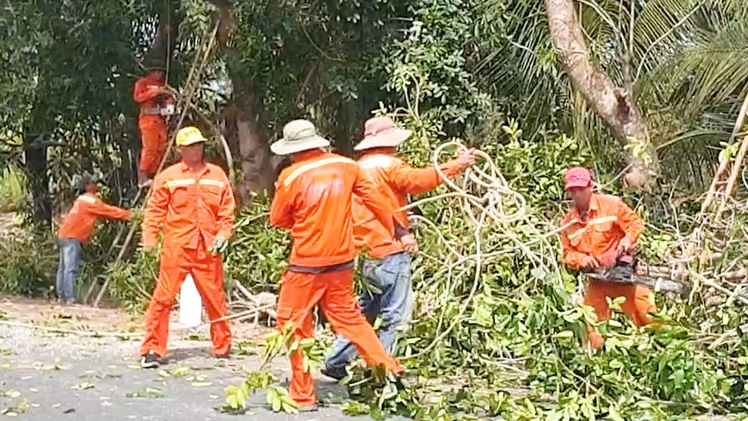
(627, 270)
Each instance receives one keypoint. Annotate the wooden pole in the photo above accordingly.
(724, 164)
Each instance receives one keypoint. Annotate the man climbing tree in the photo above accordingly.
(155, 104)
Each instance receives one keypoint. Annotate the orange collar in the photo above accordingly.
(309, 155)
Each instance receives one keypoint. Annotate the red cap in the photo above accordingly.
(577, 178)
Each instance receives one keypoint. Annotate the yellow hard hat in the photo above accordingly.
(189, 135)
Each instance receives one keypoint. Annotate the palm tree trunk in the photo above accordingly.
(615, 105)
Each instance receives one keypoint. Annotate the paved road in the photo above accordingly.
(71, 377)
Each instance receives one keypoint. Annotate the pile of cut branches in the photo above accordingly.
(497, 329)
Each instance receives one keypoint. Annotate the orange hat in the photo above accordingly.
(577, 178)
(381, 132)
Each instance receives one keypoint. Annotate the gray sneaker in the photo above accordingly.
(150, 360)
(334, 373)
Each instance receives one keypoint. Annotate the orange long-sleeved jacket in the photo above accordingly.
(608, 221)
(394, 180)
(81, 219)
(146, 93)
(313, 199)
(189, 206)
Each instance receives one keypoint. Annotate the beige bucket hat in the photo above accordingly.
(382, 132)
(299, 136)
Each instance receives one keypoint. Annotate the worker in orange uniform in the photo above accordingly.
(600, 229)
(387, 264)
(75, 232)
(192, 204)
(156, 104)
(313, 200)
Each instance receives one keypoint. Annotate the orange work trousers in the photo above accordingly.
(637, 305)
(333, 291)
(207, 271)
(153, 136)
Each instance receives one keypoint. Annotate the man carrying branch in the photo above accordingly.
(599, 230)
(313, 200)
(387, 266)
(76, 230)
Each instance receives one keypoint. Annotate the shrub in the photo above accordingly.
(13, 194)
(28, 263)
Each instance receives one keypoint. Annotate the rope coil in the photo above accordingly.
(487, 201)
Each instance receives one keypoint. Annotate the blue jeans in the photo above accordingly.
(70, 259)
(393, 301)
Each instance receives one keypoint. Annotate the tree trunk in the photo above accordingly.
(243, 116)
(345, 133)
(615, 105)
(244, 133)
(167, 33)
(35, 151)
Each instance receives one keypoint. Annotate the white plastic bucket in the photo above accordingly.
(190, 304)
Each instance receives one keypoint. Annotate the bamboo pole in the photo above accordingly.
(724, 164)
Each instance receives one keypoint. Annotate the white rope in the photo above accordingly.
(487, 201)
(497, 199)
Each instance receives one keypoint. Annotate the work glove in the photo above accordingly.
(218, 245)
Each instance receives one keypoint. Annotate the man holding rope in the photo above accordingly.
(313, 200)
(599, 230)
(387, 265)
(194, 204)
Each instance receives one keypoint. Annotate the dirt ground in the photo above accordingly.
(47, 375)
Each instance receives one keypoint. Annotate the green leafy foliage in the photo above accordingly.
(277, 343)
(236, 396)
(28, 263)
(506, 342)
(279, 400)
(131, 284)
(430, 68)
(257, 253)
(13, 192)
